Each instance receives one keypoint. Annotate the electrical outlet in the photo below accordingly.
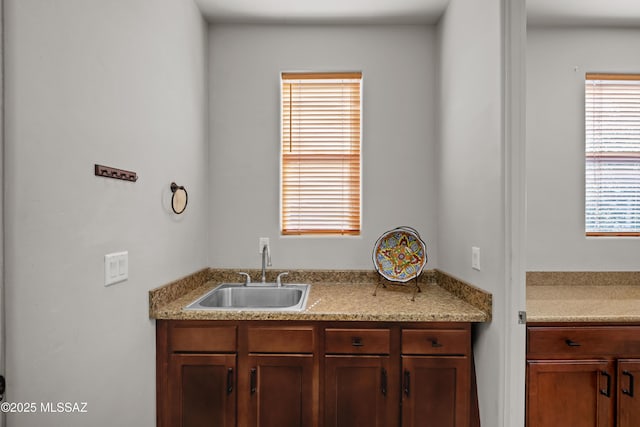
(116, 268)
(262, 242)
(475, 258)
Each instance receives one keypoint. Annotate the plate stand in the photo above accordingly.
(415, 290)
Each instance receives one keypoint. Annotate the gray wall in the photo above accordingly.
(120, 83)
(398, 65)
(470, 176)
(557, 60)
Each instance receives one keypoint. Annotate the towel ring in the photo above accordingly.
(179, 198)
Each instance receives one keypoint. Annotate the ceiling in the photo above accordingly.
(540, 12)
(584, 12)
(323, 11)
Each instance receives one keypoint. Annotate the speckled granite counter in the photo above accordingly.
(583, 297)
(336, 296)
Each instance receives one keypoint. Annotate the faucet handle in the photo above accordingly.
(247, 278)
(278, 281)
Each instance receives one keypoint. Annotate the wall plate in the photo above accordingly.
(116, 268)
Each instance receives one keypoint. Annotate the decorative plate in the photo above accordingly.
(399, 255)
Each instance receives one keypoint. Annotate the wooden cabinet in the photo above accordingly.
(582, 375)
(359, 391)
(361, 381)
(196, 381)
(435, 378)
(435, 391)
(202, 390)
(276, 389)
(569, 392)
(236, 373)
(280, 391)
(311, 374)
(628, 409)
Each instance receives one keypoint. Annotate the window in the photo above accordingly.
(612, 130)
(320, 153)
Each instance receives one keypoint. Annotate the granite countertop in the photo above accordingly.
(583, 297)
(340, 300)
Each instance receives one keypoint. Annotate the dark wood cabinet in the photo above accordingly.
(574, 393)
(361, 378)
(582, 375)
(279, 392)
(202, 390)
(628, 409)
(311, 374)
(436, 374)
(435, 391)
(360, 390)
(277, 382)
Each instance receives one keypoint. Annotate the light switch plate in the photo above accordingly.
(116, 268)
(475, 258)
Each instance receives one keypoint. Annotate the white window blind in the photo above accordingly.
(612, 152)
(320, 178)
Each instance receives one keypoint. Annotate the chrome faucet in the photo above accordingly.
(279, 278)
(266, 255)
(247, 278)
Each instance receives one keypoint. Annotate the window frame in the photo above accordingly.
(349, 228)
(632, 156)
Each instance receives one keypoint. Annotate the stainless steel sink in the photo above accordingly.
(257, 296)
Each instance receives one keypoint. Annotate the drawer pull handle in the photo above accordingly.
(356, 342)
(407, 383)
(383, 382)
(628, 391)
(607, 391)
(252, 382)
(572, 343)
(229, 380)
(435, 343)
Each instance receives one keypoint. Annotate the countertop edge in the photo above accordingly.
(302, 316)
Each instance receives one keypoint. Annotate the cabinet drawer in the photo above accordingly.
(206, 338)
(543, 341)
(435, 341)
(280, 339)
(357, 341)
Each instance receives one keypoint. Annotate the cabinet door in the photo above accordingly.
(435, 391)
(576, 393)
(202, 390)
(628, 400)
(360, 391)
(280, 391)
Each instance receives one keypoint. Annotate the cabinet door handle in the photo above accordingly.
(628, 391)
(572, 343)
(407, 383)
(356, 342)
(383, 381)
(435, 343)
(229, 380)
(252, 380)
(607, 391)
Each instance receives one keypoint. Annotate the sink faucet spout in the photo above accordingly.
(266, 261)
